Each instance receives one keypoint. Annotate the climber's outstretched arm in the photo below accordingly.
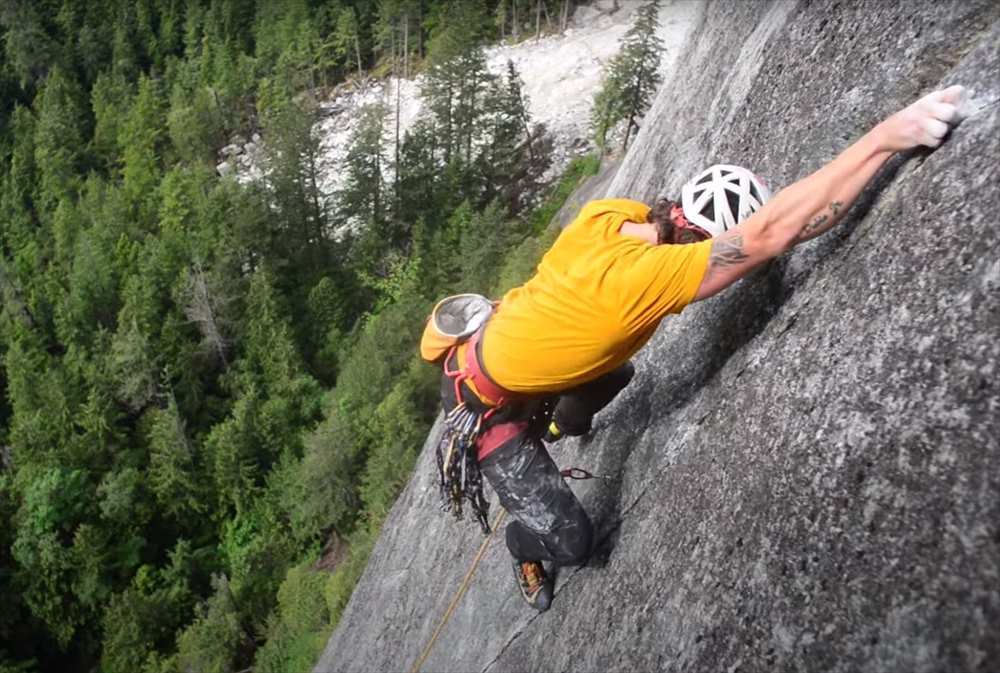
(814, 204)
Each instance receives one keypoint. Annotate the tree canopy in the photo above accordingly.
(204, 383)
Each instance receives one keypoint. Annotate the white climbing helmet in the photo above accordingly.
(720, 197)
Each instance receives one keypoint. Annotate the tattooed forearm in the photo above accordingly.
(820, 222)
(727, 252)
(816, 224)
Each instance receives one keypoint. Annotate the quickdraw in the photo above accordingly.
(580, 473)
(458, 466)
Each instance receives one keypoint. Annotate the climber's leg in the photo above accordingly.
(549, 522)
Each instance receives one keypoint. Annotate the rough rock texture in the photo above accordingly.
(807, 467)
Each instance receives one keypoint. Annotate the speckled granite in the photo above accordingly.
(807, 466)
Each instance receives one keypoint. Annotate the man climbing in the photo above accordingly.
(558, 347)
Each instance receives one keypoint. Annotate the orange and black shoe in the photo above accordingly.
(536, 588)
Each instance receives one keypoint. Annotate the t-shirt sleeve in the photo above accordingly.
(664, 279)
(593, 212)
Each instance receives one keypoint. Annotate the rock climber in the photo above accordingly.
(553, 352)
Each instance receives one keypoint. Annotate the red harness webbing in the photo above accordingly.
(489, 393)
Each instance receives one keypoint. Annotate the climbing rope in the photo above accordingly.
(458, 595)
(570, 473)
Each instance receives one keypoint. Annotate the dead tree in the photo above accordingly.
(205, 307)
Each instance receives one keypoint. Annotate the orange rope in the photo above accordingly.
(458, 596)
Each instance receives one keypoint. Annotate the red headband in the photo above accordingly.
(681, 222)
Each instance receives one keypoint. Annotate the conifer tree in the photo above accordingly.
(30, 44)
(418, 170)
(457, 80)
(110, 98)
(172, 469)
(293, 179)
(347, 37)
(364, 192)
(630, 78)
(516, 155)
(59, 145)
(141, 138)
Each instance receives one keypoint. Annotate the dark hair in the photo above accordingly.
(659, 216)
(667, 230)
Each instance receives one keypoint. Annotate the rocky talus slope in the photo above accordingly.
(806, 467)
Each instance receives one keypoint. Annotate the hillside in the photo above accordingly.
(805, 467)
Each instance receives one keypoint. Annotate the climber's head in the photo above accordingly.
(719, 198)
(671, 225)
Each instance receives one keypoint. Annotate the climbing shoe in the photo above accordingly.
(534, 584)
(553, 434)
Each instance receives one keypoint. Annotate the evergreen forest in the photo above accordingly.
(210, 392)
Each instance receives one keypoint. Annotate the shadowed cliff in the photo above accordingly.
(806, 467)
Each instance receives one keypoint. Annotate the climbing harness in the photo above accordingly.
(460, 449)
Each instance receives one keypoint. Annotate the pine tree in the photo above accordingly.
(630, 79)
(419, 173)
(110, 98)
(23, 243)
(31, 45)
(364, 193)
(59, 144)
(347, 38)
(293, 179)
(172, 470)
(513, 160)
(141, 138)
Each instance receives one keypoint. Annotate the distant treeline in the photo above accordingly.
(209, 390)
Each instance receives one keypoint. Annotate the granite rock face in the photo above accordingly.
(806, 468)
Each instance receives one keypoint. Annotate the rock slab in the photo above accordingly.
(807, 467)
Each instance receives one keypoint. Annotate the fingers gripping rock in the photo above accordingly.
(927, 121)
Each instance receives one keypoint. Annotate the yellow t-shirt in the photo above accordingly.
(595, 299)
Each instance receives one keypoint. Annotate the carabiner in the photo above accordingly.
(580, 473)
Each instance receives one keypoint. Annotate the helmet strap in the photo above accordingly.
(684, 231)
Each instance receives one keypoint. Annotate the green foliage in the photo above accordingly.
(195, 122)
(299, 628)
(173, 473)
(142, 620)
(142, 138)
(216, 640)
(345, 41)
(329, 309)
(457, 29)
(56, 501)
(400, 425)
(7, 666)
(454, 90)
(109, 99)
(630, 78)
(298, 205)
(203, 378)
(364, 192)
(31, 44)
(323, 492)
(59, 142)
(578, 169)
